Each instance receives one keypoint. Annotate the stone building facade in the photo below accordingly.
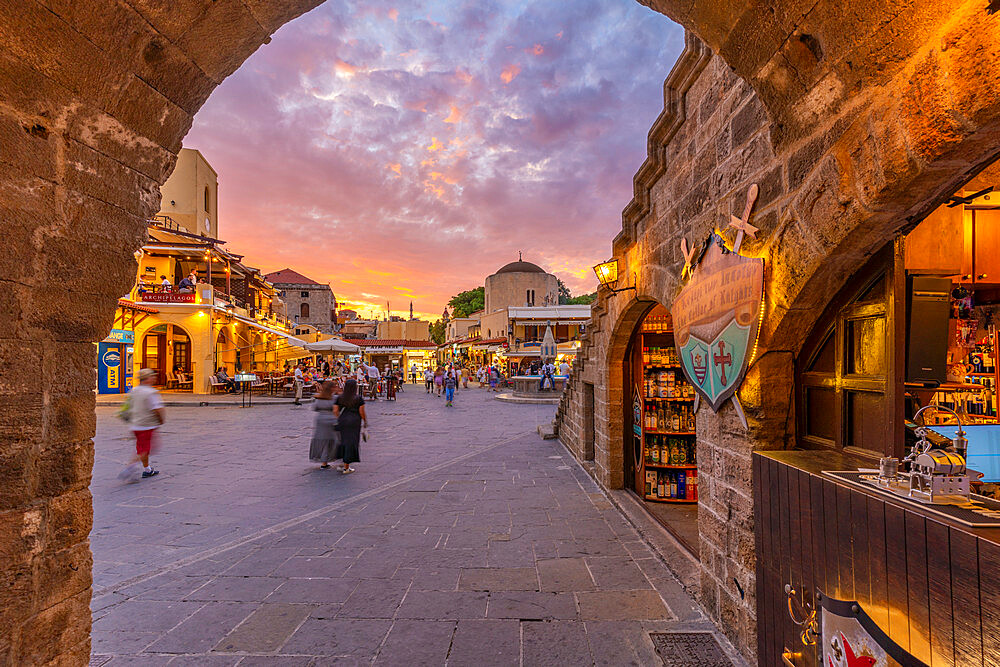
(856, 118)
(520, 284)
(306, 301)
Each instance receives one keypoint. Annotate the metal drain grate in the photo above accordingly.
(98, 660)
(689, 649)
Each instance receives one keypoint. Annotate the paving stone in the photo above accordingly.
(266, 629)
(260, 563)
(436, 579)
(317, 590)
(374, 598)
(309, 567)
(499, 579)
(531, 605)
(621, 605)
(203, 629)
(616, 573)
(236, 589)
(417, 643)
(276, 661)
(205, 660)
(614, 643)
(338, 637)
(486, 643)
(443, 605)
(121, 642)
(145, 616)
(554, 643)
(564, 574)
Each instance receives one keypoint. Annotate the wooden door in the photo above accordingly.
(154, 348)
(632, 444)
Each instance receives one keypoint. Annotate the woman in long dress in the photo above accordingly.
(349, 408)
(323, 447)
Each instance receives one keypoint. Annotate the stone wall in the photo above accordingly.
(830, 196)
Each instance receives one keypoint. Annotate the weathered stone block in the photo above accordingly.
(61, 575)
(44, 637)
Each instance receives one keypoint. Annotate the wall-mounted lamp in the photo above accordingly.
(607, 275)
(230, 310)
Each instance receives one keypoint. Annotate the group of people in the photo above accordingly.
(340, 424)
(185, 286)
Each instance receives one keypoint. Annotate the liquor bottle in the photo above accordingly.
(659, 486)
(654, 453)
(676, 423)
(681, 485)
(664, 452)
(673, 485)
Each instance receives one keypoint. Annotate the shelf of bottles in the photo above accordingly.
(980, 407)
(669, 449)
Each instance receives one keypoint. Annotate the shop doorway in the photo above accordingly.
(660, 442)
(166, 348)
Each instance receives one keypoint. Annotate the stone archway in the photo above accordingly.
(98, 94)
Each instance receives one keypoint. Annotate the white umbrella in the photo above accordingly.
(333, 345)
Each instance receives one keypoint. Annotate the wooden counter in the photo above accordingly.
(912, 571)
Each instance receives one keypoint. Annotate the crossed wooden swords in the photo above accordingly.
(741, 225)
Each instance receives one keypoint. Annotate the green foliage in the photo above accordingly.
(582, 300)
(438, 331)
(564, 293)
(467, 302)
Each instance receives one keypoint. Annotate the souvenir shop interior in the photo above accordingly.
(661, 450)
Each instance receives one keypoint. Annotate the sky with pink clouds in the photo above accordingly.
(404, 151)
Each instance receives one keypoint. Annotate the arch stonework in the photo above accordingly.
(854, 116)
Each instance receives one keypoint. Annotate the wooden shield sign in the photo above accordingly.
(716, 320)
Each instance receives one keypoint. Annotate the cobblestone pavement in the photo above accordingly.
(462, 539)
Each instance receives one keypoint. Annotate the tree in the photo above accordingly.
(438, 331)
(582, 300)
(564, 293)
(467, 302)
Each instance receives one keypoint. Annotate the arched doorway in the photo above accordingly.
(660, 444)
(166, 348)
(225, 351)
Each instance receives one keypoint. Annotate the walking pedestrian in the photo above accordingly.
(450, 382)
(323, 446)
(438, 380)
(299, 382)
(428, 379)
(145, 415)
(349, 408)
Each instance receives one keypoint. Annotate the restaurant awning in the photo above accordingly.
(257, 325)
(333, 345)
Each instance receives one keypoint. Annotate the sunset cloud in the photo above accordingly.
(412, 157)
(510, 73)
(454, 115)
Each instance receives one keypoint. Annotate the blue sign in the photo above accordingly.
(110, 376)
(120, 336)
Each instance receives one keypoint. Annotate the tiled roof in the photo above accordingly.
(288, 276)
(125, 303)
(390, 342)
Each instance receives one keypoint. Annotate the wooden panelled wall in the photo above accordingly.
(934, 588)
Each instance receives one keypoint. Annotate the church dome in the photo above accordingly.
(521, 267)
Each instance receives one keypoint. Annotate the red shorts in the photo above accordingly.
(144, 441)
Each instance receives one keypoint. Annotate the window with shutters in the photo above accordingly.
(849, 391)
